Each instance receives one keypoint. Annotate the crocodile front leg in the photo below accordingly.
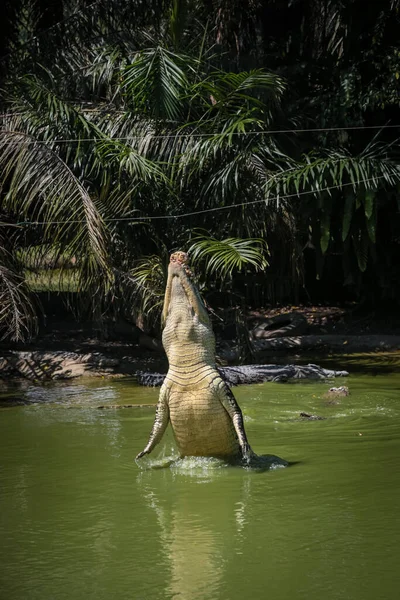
(231, 406)
(160, 422)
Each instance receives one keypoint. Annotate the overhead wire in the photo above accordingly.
(186, 135)
(199, 135)
(277, 198)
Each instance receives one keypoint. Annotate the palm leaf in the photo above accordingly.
(361, 243)
(224, 257)
(156, 82)
(40, 187)
(149, 278)
(325, 230)
(17, 311)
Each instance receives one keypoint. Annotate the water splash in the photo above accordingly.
(198, 466)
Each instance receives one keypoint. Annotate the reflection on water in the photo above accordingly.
(206, 514)
(80, 519)
(83, 392)
(208, 509)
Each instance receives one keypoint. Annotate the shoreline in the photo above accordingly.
(127, 360)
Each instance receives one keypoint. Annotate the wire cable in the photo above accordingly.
(199, 212)
(202, 135)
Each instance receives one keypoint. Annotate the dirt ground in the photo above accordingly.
(347, 320)
(122, 337)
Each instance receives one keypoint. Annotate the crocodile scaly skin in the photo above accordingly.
(204, 415)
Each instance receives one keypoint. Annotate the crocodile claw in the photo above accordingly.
(142, 453)
(247, 454)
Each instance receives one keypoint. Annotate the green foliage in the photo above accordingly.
(149, 277)
(127, 129)
(41, 187)
(17, 307)
(155, 83)
(343, 185)
(347, 213)
(224, 257)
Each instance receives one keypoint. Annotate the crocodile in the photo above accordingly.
(245, 374)
(205, 417)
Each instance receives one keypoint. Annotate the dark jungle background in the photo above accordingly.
(263, 136)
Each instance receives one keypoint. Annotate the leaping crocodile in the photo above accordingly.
(206, 419)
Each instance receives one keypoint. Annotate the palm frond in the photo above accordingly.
(338, 183)
(370, 169)
(17, 311)
(156, 83)
(224, 257)
(126, 158)
(149, 278)
(40, 187)
(234, 93)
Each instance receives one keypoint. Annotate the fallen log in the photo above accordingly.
(42, 366)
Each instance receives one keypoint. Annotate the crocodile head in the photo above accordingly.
(179, 257)
(177, 260)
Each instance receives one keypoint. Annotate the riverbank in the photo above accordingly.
(131, 360)
(67, 349)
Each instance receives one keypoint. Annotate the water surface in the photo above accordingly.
(80, 519)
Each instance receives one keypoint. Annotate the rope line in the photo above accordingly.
(201, 135)
(198, 212)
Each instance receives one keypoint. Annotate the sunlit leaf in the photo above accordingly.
(369, 199)
(224, 257)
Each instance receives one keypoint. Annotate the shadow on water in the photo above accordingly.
(203, 509)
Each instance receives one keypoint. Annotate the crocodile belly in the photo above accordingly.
(201, 425)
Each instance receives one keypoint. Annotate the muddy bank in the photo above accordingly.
(67, 349)
(44, 365)
(131, 360)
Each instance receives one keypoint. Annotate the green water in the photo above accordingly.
(80, 520)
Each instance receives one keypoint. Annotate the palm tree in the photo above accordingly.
(125, 132)
(83, 178)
